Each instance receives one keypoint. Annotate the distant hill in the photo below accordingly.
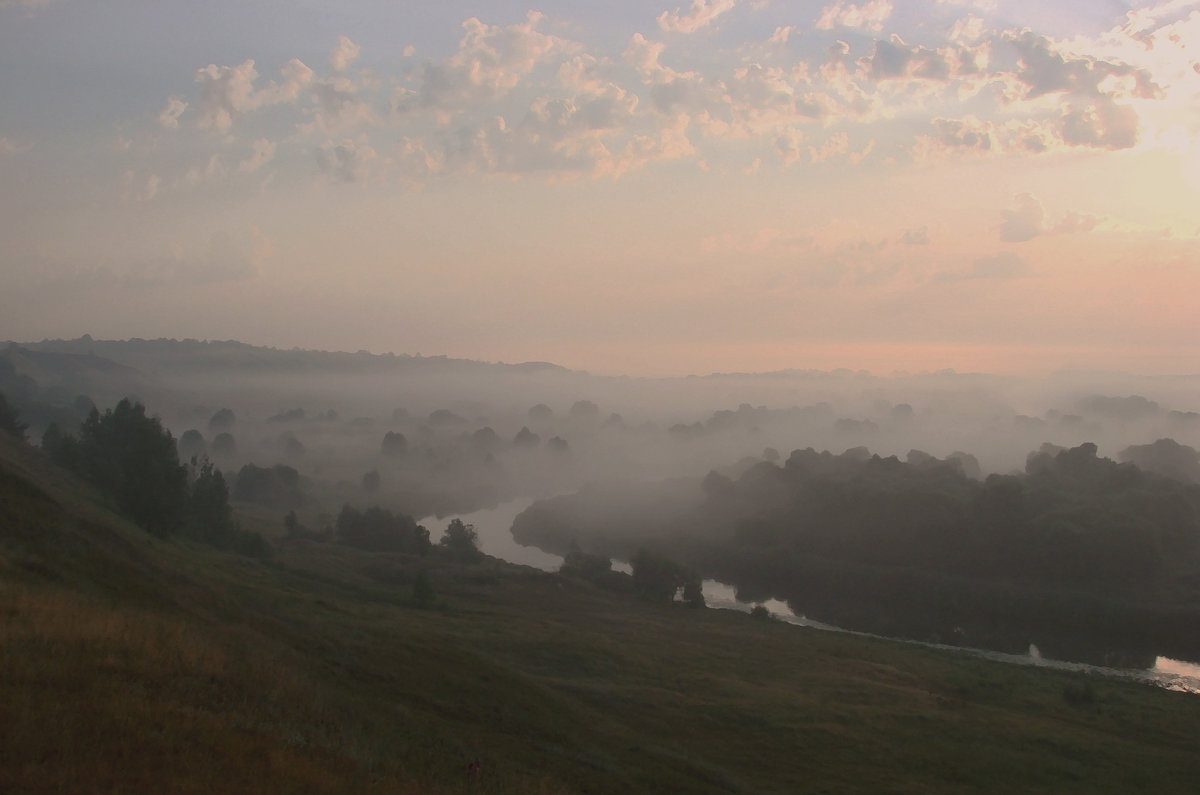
(189, 356)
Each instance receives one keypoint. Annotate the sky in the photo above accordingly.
(1007, 186)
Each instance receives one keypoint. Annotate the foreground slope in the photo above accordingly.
(133, 664)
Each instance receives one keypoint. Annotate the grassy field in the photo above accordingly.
(129, 664)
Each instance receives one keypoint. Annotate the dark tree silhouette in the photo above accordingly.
(461, 541)
(393, 444)
(381, 530)
(659, 579)
(10, 421)
(132, 457)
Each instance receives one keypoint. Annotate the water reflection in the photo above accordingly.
(494, 526)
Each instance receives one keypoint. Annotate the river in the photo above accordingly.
(494, 525)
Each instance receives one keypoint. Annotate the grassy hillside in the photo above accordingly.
(133, 664)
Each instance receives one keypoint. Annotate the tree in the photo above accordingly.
(526, 438)
(370, 482)
(379, 529)
(209, 506)
(393, 444)
(133, 458)
(277, 487)
(583, 565)
(583, 409)
(192, 445)
(659, 579)
(10, 422)
(461, 541)
(222, 420)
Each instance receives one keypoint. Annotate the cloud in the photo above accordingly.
(338, 104)
(7, 147)
(168, 117)
(868, 16)
(781, 35)
(490, 61)
(212, 170)
(701, 14)
(788, 143)
(343, 54)
(264, 152)
(895, 59)
(1102, 124)
(1028, 220)
(1045, 70)
(1074, 222)
(345, 161)
(228, 91)
(1025, 222)
(969, 135)
(141, 189)
(916, 237)
(225, 92)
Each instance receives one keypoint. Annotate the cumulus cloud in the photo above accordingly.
(789, 144)
(969, 135)
(701, 14)
(138, 188)
(211, 170)
(490, 61)
(168, 117)
(346, 160)
(1103, 124)
(228, 91)
(894, 58)
(264, 152)
(867, 16)
(1045, 70)
(338, 104)
(343, 54)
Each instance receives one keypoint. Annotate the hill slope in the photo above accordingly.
(131, 664)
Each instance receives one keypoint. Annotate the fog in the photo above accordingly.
(477, 434)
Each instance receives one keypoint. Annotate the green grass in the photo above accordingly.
(131, 664)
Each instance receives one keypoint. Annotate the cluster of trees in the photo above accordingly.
(380, 530)
(279, 486)
(657, 578)
(10, 421)
(1073, 517)
(1077, 543)
(129, 456)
